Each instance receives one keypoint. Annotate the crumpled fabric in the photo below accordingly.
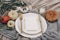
(51, 33)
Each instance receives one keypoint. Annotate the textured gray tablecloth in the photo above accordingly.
(52, 33)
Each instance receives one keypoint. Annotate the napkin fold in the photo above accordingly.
(30, 23)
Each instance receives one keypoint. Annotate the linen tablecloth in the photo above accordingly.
(53, 30)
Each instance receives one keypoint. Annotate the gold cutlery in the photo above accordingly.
(40, 22)
(21, 22)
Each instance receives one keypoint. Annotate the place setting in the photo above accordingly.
(21, 18)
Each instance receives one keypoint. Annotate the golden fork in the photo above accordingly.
(21, 22)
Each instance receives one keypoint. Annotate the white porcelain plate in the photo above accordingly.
(17, 26)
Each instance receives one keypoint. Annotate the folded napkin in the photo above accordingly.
(30, 23)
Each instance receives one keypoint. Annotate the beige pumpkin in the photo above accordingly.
(13, 14)
(11, 23)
